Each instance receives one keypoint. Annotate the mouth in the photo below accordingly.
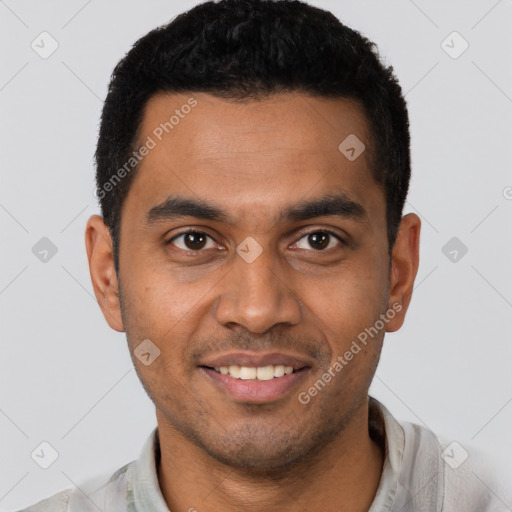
(255, 378)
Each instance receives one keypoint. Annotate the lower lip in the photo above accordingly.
(256, 391)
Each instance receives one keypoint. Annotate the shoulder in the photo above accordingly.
(57, 503)
(470, 474)
(106, 488)
(468, 478)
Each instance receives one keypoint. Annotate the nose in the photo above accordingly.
(258, 295)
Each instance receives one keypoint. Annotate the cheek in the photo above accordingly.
(157, 302)
(170, 313)
(161, 313)
(351, 300)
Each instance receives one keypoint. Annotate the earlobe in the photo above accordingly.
(404, 267)
(98, 243)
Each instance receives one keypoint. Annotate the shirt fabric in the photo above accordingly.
(421, 473)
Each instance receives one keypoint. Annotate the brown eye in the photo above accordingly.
(192, 241)
(320, 240)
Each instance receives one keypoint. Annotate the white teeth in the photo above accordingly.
(234, 371)
(247, 373)
(268, 372)
(278, 370)
(265, 373)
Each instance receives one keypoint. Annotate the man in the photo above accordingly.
(252, 167)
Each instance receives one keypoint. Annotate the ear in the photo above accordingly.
(404, 267)
(100, 254)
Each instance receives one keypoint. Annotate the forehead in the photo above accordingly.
(254, 154)
(305, 124)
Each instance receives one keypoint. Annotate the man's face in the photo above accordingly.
(205, 300)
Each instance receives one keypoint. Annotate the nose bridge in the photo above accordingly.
(255, 294)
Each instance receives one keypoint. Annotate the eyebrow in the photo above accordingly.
(338, 204)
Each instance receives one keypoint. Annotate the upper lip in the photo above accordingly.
(254, 359)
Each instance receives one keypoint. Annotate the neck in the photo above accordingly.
(343, 477)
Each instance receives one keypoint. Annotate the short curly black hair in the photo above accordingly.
(246, 50)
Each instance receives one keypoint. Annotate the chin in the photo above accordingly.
(259, 458)
(259, 451)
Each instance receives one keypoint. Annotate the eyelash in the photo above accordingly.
(191, 230)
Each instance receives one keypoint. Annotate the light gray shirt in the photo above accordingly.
(421, 473)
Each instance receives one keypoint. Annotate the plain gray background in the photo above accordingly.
(67, 379)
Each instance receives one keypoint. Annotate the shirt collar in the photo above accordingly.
(146, 493)
(383, 426)
(413, 474)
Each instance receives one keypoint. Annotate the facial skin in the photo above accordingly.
(253, 160)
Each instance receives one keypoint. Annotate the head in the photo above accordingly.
(274, 134)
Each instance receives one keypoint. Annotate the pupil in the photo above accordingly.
(320, 239)
(197, 240)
